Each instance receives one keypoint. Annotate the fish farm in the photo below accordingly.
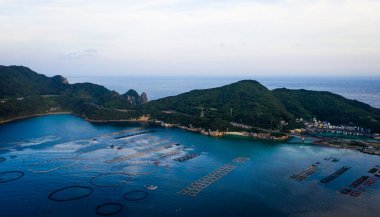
(196, 187)
(186, 157)
(335, 175)
(357, 187)
(139, 172)
(305, 173)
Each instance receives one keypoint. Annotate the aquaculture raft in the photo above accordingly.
(136, 195)
(335, 175)
(303, 174)
(140, 154)
(186, 157)
(196, 187)
(240, 159)
(135, 134)
(359, 185)
(171, 153)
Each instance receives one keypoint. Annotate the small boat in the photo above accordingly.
(152, 187)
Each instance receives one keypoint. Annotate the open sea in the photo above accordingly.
(61, 165)
(365, 89)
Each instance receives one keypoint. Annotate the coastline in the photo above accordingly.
(215, 134)
(36, 115)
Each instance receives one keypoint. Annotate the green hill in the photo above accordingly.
(329, 107)
(248, 102)
(24, 92)
(19, 81)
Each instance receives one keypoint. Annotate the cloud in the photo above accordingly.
(193, 36)
(78, 55)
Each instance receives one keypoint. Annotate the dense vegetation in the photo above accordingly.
(250, 103)
(328, 106)
(24, 92)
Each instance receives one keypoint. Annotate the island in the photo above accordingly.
(242, 109)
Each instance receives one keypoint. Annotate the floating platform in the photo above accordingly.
(140, 154)
(196, 187)
(335, 175)
(186, 157)
(135, 134)
(152, 143)
(303, 174)
(240, 159)
(171, 153)
(359, 185)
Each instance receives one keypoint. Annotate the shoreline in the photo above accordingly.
(193, 130)
(36, 115)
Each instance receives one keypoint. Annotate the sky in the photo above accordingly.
(192, 37)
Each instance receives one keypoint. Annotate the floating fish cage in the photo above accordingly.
(10, 176)
(110, 208)
(136, 195)
(84, 191)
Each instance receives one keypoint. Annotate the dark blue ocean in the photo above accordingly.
(61, 165)
(365, 89)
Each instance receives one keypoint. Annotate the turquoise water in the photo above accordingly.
(58, 151)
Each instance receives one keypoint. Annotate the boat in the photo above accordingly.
(152, 187)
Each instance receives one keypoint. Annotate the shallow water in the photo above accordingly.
(64, 150)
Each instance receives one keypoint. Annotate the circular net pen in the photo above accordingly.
(107, 209)
(2, 159)
(70, 193)
(136, 195)
(110, 179)
(10, 176)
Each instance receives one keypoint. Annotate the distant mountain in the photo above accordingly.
(248, 102)
(24, 92)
